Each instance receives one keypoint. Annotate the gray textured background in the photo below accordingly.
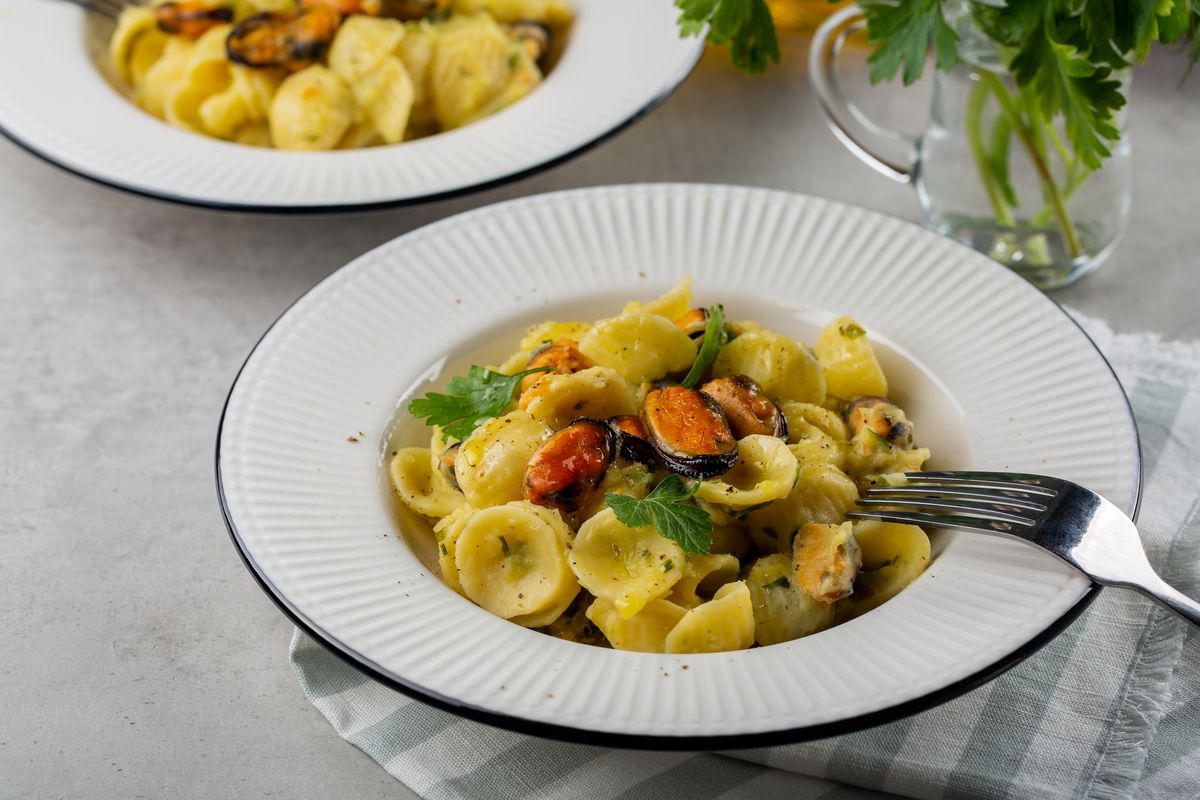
(139, 659)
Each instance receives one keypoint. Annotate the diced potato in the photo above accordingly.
(851, 369)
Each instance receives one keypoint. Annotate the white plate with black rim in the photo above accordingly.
(994, 375)
(58, 100)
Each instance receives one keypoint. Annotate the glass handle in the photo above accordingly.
(886, 151)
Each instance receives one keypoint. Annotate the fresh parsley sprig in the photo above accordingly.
(714, 339)
(745, 25)
(670, 510)
(469, 401)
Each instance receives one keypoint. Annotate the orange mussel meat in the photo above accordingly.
(689, 432)
(565, 471)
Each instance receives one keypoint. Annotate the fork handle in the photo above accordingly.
(1164, 594)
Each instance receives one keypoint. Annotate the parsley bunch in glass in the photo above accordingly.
(1064, 57)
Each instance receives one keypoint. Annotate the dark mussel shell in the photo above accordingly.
(689, 432)
(693, 323)
(635, 442)
(535, 37)
(446, 464)
(882, 417)
(568, 467)
(747, 409)
(191, 18)
(292, 41)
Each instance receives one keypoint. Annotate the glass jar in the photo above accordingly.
(990, 169)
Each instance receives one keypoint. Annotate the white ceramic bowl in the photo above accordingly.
(57, 100)
(993, 374)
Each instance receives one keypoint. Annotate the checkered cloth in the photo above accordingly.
(1109, 709)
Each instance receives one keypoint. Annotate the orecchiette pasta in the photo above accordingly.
(672, 304)
(490, 466)
(639, 346)
(420, 487)
(594, 392)
(644, 632)
(312, 110)
(724, 623)
(446, 533)
(893, 555)
(512, 561)
(628, 566)
(765, 472)
(816, 435)
(822, 494)
(549, 331)
(554, 12)
(362, 56)
(703, 574)
(205, 72)
(610, 500)
(781, 611)
(784, 369)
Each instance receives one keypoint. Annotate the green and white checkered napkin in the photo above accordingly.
(1109, 709)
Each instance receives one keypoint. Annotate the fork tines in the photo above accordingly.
(983, 501)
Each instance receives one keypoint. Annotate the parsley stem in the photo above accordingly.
(1027, 135)
(985, 165)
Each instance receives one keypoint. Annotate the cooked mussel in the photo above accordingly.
(292, 41)
(693, 323)
(535, 37)
(561, 354)
(747, 409)
(191, 18)
(565, 471)
(404, 9)
(446, 464)
(882, 417)
(689, 432)
(635, 442)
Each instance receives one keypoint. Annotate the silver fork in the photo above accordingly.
(1061, 517)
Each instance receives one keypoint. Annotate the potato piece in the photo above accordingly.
(851, 369)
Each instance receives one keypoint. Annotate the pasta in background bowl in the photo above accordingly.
(332, 74)
(60, 99)
(991, 374)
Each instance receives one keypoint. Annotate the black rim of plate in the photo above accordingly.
(449, 194)
(659, 742)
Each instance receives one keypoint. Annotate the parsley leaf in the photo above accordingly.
(901, 33)
(669, 510)
(714, 339)
(745, 25)
(1065, 81)
(469, 401)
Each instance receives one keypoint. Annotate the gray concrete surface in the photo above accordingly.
(138, 658)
